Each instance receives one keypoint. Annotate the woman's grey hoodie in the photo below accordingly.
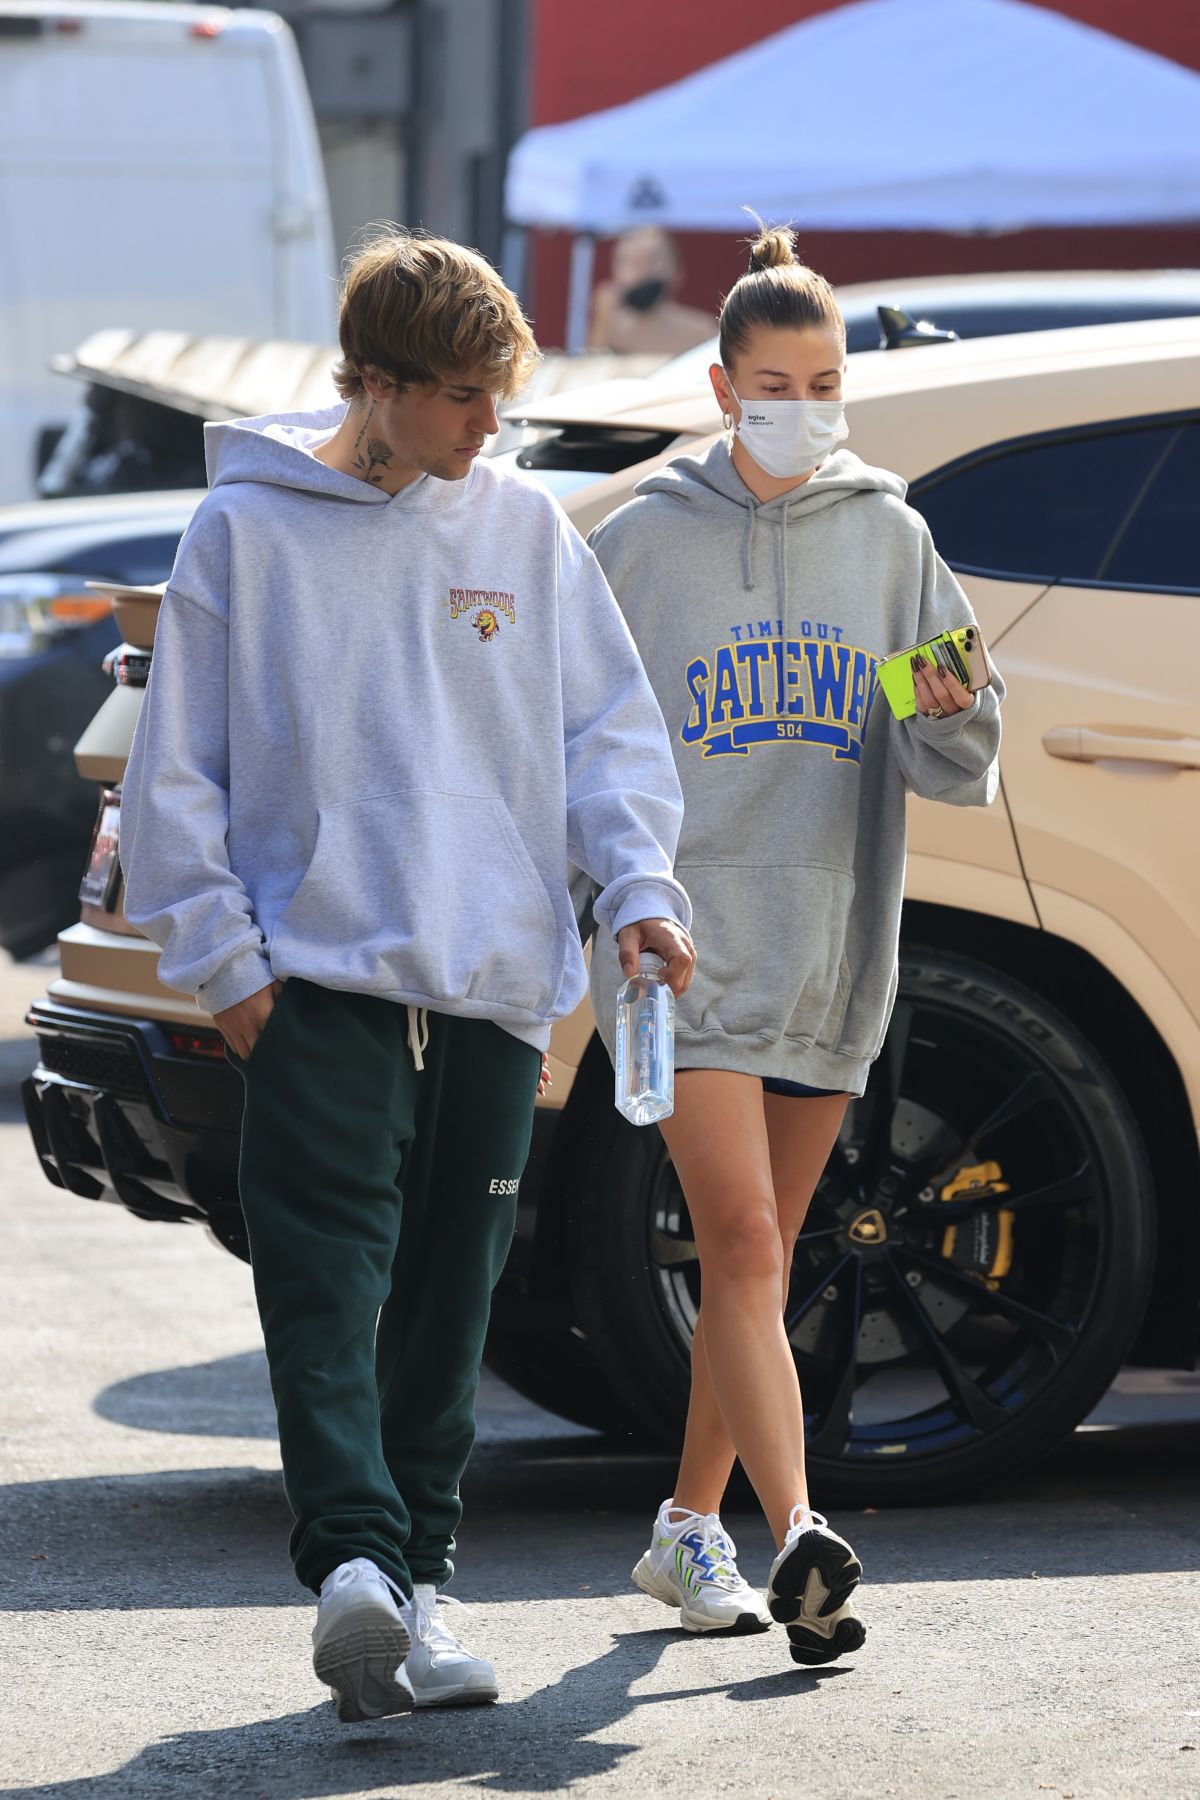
(760, 627)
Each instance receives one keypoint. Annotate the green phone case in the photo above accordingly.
(959, 652)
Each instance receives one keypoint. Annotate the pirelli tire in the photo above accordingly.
(975, 1265)
(555, 1369)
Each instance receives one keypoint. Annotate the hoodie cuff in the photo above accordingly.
(247, 972)
(652, 900)
(936, 731)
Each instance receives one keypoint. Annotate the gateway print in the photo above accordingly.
(765, 688)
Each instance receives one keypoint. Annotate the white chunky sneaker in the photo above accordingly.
(692, 1564)
(811, 1582)
(360, 1641)
(440, 1671)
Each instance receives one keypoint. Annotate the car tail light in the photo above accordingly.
(77, 609)
(198, 1043)
(68, 27)
(206, 28)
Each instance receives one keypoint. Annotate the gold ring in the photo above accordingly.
(936, 712)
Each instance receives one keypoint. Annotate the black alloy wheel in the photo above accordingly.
(973, 1270)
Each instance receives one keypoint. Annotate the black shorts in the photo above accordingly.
(797, 1089)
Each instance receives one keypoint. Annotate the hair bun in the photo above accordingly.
(773, 248)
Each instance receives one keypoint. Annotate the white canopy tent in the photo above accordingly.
(883, 115)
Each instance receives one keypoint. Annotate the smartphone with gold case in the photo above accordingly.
(960, 652)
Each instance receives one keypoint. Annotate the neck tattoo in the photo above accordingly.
(371, 463)
(362, 430)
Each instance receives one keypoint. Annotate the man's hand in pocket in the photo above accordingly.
(242, 1025)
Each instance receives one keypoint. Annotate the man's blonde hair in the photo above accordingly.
(421, 309)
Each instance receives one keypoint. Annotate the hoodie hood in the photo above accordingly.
(712, 483)
(279, 450)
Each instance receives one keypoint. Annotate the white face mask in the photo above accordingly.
(790, 437)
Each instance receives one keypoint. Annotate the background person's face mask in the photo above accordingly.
(645, 295)
(790, 437)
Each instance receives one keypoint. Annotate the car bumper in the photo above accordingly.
(116, 1113)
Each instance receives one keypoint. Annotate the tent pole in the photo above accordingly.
(513, 258)
(579, 293)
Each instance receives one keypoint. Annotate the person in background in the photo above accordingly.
(636, 312)
(392, 699)
(763, 581)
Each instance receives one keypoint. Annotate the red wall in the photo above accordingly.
(589, 54)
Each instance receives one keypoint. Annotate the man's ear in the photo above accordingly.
(376, 386)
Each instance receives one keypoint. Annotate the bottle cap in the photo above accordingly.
(649, 963)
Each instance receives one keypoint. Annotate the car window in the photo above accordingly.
(122, 444)
(1161, 546)
(137, 562)
(1046, 511)
(133, 561)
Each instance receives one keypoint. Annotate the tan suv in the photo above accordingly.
(1027, 1149)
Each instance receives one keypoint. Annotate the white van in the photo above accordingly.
(159, 168)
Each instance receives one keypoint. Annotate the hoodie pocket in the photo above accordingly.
(770, 951)
(427, 894)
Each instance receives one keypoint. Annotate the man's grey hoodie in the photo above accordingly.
(378, 730)
(760, 627)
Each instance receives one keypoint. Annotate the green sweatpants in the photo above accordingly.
(380, 1203)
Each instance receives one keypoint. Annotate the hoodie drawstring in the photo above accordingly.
(418, 1035)
(711, 479)
(783, 520)
(748, 544)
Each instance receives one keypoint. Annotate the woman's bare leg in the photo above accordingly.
(801, 1132)
(800, 1135)
(707, 1458)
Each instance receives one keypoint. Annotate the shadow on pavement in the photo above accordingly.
(310, 1756)
(542, 1513)
(231, 1398)
(119, 1541)
(546, 1503)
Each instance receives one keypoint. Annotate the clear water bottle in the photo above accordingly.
(646, 1044)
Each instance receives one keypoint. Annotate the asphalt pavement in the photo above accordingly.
(1044, 1639)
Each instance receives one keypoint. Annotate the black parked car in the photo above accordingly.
(55, 633)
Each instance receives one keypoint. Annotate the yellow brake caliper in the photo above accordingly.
(982, 1244)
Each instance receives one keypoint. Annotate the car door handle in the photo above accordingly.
(1098, 743)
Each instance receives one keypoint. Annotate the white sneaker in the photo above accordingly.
(692, 1564)
(360, 1641)
(440, 1671)
(811, 1582)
